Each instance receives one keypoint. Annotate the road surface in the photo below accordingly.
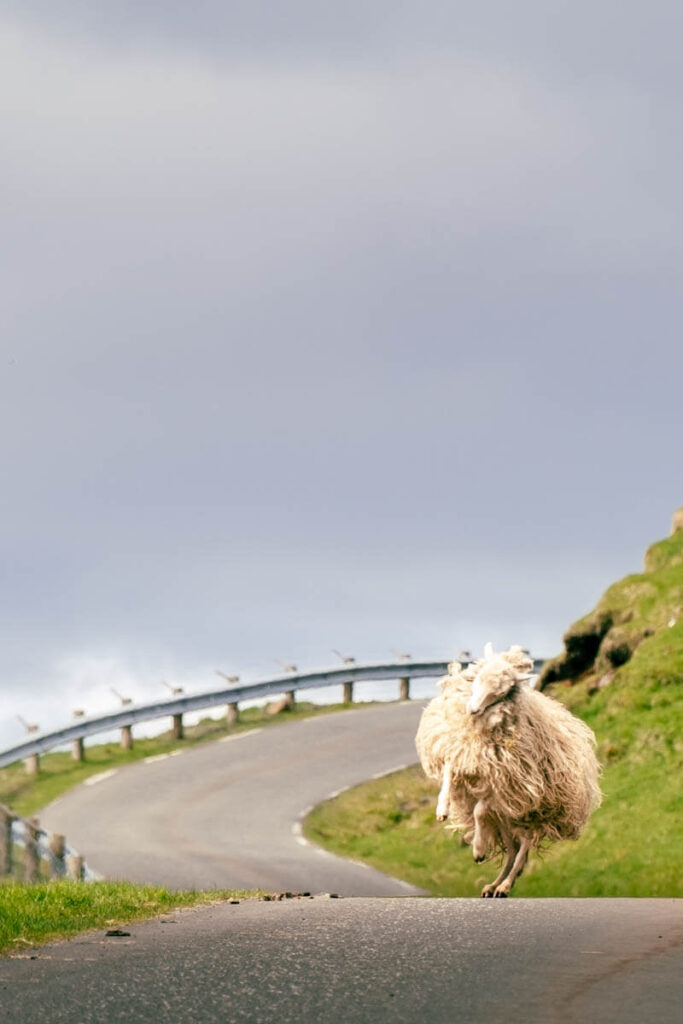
(228, 814)
(366, 961)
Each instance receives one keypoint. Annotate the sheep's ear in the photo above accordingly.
(488, 651)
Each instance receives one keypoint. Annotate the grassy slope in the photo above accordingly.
(55, 910)
(633, 845)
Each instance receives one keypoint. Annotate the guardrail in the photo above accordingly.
(39, 848)
(30, 749)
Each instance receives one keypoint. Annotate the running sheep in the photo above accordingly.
(515, 767)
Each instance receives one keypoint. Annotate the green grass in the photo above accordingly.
(26, 794)
(633, 845)
(34, 914)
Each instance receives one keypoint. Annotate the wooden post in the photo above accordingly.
(404, 689)
(78, 750)
(290, 697)
(178, 727)
(232, 713)
(126, 737)
(32, 763)
(347, 696)
(57, 847)
(31, 855)
(74, 867)
(5, 841)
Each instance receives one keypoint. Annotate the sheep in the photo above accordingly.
(515, 766)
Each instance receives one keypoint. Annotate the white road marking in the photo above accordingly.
(296, 828)
(390, 771)
(302, 841)
(100, 777)
(336, 793)
(240, 735)
(176, 753)
(154, 758)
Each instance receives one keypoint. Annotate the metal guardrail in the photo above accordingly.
(231, 695)
(38, 846)
(282, 683)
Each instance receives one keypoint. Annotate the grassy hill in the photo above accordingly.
(622, 672)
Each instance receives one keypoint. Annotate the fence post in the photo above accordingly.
(178, 727)
(32, 763)
(77, 749)
(126, 737)
(290, 697)
(5, 841)
(74, 867)
(404, 689)
(347, 695)
(232, 713)
(31, 855)
(57, 847)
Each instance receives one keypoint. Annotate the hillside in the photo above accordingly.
(622, 672)
(634, 632)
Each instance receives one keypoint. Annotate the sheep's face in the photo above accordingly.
(492, 683)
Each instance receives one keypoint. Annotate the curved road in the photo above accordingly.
(227, 814)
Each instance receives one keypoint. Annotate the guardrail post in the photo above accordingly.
(5, 841)
(57, 847)
(126, 737)
(74, 867)
(78, 750)
(347, 696)
(290, 697)
(178, 727)
(404, 689)
(32, 763)
(232, 713)
(31, 855)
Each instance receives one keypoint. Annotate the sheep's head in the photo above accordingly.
(496, 676)
(492, 683)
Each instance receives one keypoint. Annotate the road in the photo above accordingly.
(366, 961)
(227, 814)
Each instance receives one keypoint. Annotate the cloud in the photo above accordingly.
(360, 331)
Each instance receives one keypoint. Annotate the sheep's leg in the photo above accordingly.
(511, 850)
(520, 860)
(444, 800)
(480, 842)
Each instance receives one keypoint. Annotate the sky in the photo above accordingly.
(346, 326)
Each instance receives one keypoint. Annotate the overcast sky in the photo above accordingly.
(328, 325)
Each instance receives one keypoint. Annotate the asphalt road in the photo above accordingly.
(227, 814)
(366, 961)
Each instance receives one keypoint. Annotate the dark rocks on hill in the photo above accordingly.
(628, 613)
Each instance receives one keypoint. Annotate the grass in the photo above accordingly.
(27, 794)
(633, 845)
(34, 914)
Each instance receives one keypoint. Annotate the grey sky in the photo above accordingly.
(352, 327)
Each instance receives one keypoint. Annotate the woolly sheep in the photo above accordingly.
(515, 766)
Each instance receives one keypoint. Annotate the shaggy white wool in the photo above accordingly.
(524, 754)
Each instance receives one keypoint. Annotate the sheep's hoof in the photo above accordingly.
(500, 895)
(486, 894)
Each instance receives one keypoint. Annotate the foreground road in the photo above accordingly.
(366, 961)
(227, 814)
